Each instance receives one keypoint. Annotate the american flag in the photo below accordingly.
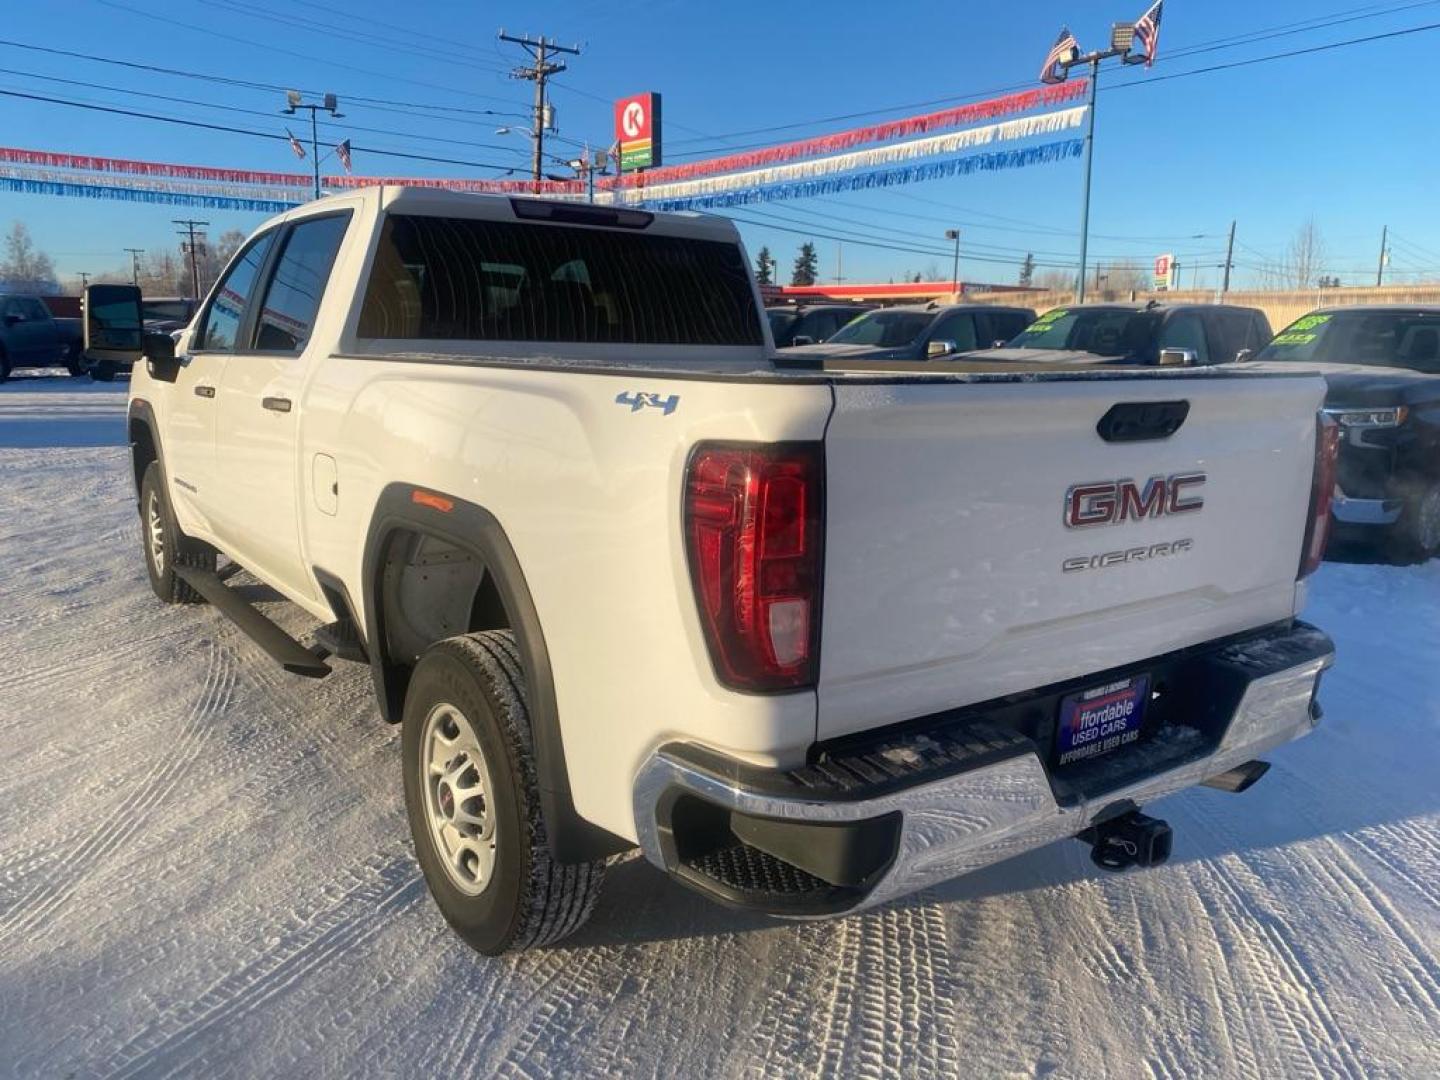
(295, 147)
(342, 149)
(1064, 48)
(1147, 31)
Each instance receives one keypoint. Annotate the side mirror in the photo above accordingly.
(801, 339)
(940, 347)
(1244, 355)
(1178, 357)
(160, 357)
(113, 325)
(13, 318)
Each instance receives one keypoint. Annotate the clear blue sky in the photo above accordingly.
(1345, 136)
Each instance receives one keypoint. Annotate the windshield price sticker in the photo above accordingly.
(1044, 322)
(1309, 322)
(1291, 338)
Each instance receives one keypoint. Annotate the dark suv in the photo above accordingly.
(934, 331)
(1382, 365)
(810, 324)
(1149, 334)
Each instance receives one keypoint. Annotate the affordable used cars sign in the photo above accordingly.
(637, 131)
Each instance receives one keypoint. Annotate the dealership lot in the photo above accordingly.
(204, 865)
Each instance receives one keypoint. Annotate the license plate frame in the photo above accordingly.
(1097, 721)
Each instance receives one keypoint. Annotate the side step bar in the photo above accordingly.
(281, 647)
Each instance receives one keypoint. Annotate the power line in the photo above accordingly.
(1349, 15)
(228, 129)
(248, 84)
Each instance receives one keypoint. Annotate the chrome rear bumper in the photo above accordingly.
(973, 818)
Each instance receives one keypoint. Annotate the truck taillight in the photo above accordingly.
(753, 528)
(1322, 490)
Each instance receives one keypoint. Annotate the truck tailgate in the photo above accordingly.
(947, 535)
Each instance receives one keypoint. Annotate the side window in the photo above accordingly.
(958, 327)
(33, 309)
(1186, 331)
(292, 296)
(222, 321)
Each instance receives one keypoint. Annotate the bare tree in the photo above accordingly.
(1055, 281)
(1125, 276)
(1304, 258)
(24, 268)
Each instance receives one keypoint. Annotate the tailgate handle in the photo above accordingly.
(1142, 421)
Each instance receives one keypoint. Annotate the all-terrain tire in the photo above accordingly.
(166, 546)
(527, 899)
(1416, 536)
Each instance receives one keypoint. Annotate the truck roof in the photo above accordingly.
(412, 199)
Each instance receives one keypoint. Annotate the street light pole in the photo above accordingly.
(135, 254)
(954, 234)
(329, 104)
(1122, 39)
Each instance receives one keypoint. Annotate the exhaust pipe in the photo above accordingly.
(1132, 839)
(1240, 778)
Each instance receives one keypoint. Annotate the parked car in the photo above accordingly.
(1154, 333)
(929, 332)
(625, 581)
(1382, 367)
(31, 337)
(809, 324)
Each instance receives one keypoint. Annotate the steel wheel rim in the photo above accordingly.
(459, 817)
(156, 527)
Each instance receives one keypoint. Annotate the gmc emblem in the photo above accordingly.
(1114, 502)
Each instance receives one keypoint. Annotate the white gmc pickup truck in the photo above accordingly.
(811, 637)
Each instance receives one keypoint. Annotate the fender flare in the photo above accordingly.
(141, 412)
(474, 529)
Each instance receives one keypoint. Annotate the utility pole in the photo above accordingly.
(135, 254)
(539, 72)
(1122, 38)
(1380, 271)
(194, 265)
(327, 103)
(84, 276)
(1229, 259)
(839, 262)
(954, 234)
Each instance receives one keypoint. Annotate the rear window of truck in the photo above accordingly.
(463, 279)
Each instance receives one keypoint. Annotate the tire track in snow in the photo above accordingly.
(31, 913)
(379, 892)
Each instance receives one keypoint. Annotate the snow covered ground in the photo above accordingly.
(205, 870)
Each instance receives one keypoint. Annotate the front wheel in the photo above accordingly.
(473, 802)
(103, 371)
(1417, 533)
(166, 547)
(74, 361)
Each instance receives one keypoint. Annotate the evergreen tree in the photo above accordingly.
(807, 265)
(762, 266)
(1027, 270)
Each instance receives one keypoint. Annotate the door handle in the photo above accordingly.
(205, 391)
(276, 404)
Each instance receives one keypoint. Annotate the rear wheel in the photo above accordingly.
(73, 361)
(166, 547)
(4, 365)
(473, 804)
(103, 371)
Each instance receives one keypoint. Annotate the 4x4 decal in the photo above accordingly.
(638, 400)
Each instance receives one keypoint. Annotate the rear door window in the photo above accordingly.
(466, 279)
